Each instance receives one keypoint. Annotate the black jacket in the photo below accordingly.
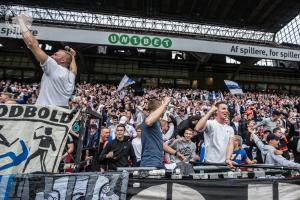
(121, 151)
(241, 130)
(187, 123)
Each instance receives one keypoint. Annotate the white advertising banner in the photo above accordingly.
(32, 138)
(152, 41)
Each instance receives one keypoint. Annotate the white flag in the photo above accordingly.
(233, 87)
(126, 81)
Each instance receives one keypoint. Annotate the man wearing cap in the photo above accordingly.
(269, 123)
(268, 151)
(60, 70)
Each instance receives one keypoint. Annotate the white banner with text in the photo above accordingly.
(152, 41)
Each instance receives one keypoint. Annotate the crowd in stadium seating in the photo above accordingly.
(115, 139)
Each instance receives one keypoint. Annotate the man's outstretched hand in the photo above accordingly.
(22, 20)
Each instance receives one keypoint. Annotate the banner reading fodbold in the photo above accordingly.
(32, 138)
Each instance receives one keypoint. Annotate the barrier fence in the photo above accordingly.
(121, 186)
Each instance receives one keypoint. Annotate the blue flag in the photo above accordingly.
(233, 87)
(126, 81)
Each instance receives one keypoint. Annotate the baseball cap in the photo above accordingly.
(272, 137)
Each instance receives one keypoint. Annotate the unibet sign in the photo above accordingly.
(139, 40)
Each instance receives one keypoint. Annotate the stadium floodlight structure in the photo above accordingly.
(66, 17)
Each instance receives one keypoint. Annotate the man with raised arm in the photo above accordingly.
(218, 136)
(60, 70)
(152, 136)
(269, 151)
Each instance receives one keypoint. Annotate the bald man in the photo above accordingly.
(60, 70)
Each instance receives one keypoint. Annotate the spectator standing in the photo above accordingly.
(60, 70)
(269, 151)
(185, 146)
(137, 146)
(217, 135)
(152, 140)
(117, 151)
(269, 123)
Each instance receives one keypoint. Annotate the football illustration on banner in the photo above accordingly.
(27, 139)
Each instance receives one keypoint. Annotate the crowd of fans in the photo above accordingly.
(114, 140)
(159, 127)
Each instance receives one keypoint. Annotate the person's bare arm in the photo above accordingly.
(155, 115)
(200, 126)
(31, 41)
(230, 149)
(69, 152)
(171, 151)
(249, 161)
(73, 133)
(73, 66)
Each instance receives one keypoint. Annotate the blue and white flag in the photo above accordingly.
(126, 81)
(233, 87)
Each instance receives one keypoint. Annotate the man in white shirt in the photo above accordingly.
(60, 70)
(217, 135)
(137, 146)
(129, 130)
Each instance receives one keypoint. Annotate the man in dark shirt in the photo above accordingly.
(152, 138)
(92, 137)
(97, 165)
(117, 151)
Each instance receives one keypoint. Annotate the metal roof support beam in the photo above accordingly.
(258, 8)
(141, 24)
(197, 66)
(227, 8)
(214, 8)
(250, 62)
(269, 10)
(193, 5)
(202, 58)
(179, 6)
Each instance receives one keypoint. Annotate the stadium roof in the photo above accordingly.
(260, 15)
(274, 22)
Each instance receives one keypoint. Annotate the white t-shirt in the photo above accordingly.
(137, 146)
(130, 131)
(57, 84)
(216, 139)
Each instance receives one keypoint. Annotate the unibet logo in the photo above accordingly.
(139, 40)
